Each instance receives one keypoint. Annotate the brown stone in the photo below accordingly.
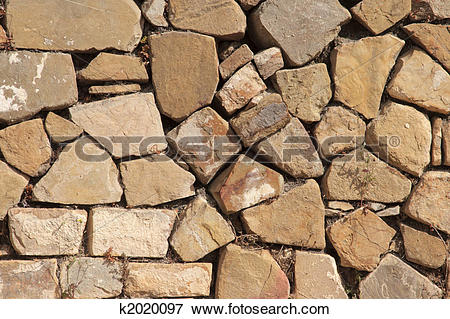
(61, 130)
(430, 10)
(391, 211)
(114, 89)
(343, 206)
(436, 145)
(446, 142)
(12, 184)
(248, 4)
(448, 278)
(237, 59)
(226, 48)
(3, 38)
(6, 250)
(269, 61)
(153, 12)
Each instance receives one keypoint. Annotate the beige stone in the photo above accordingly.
(391, 211)
(269, 61)
(61, 130)
(237, 59)
(430, 10)
(248, 4)
(446, 142)
(3, 38)
(114, 89)
(12, 184)
(153, 12)
(436, 145)
(343, 206)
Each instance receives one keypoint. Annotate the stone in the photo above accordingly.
(6, 250)
(201, 230)
(360, 70)
(423, 249)
(378, 16)
(411, 127)
(90, 278)
(266, 118)
(429, 200)
(240, 57)
(317, 277)
(292, 151)
(360, 238)
(375, 207)
(124, 125)
(264, 279)
(269, 61)
(333, 213)
(12, 184)
(448, 278)
(152, 280)
(130, 232)
(222, 19)
(226, 48)
(446, 142)
(429, 10)
(339, 131)
(391, 211)
(245, 183)
(29, 279)
(146, 181)
(394, 279)
(362, 176)
(83, 174)
(255, 100)
(114, 89)
(217, 138)
(248, 4)
(343, 206)
(417, 79)
(295, 218)
(80, 27)
(32, 81)
(114, 67)
(305, 91)
(436, 144)
(153, 12)
(240, 89)
(61, 130)
(26, 147)
(3, 38)
(185, 63)
(301, 30)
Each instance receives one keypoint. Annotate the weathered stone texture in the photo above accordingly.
(114, 89)
(61, 130)
(153, 12)
(436, 144)
(12, 184)
(430, 10)
(269, 61)
(237, 59)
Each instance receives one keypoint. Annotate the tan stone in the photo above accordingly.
(248, 4)
(430, 10)
(153, 12)
(61, 130)
(343, 206)
(12, 184)
(114, 89)
(255, 100)
(391, 211)
(3, 38)
(269, 61)
(436, 145)
(226, 48)
(446, 142)
(237, 59)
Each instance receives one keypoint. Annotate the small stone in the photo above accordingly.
(248, 4)
(264, 279)
(6, 250)
(12, 184)
(237, 59)
(446, 142)
(295, 218)
(391, 211)
(114, 89)
(3, 38)
(360, 238)
(153, 12)
(245, 183)
(61, 130)
(375, 207)
(436, 145)
(305, 91)
(152, 280)
(394, 279)
(333, 213)
(430, 10)
(26, 147)
(343, 206)
(130, 232)
(226, 48)
(269, 61)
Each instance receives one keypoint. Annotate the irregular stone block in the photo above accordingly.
(61, 130)
(114, 89)
(269, 61)
(391, 211)
(237, 59)
(446, 142)
(343, 206)
(153, 12)
(12, 184)
(436, 144)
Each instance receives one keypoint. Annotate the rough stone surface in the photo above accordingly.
(446, 142)
(430, 10)
(153, 12)
(391, 211)
(12, 184)
(61, 130)
(248, 4)
(436, 144)
(269, 61)
(114, 89)
(374, 206)
(237, 59)
(343, 206)
(226, 48)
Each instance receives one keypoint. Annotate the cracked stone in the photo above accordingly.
(12, 184)
(61, 130)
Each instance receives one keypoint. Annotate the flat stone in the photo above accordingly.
(200, 231)
(29, 279)
(305, 91)
(223, 19)
(295, 218)
(114, 89)
(237, 59)
(375, 207)
(391, 211)
(146, 181)
(80, 27)
(436, 144)
(153, 12)
(127, 231)
(32, 81)
(446, 142)
(360, 70)
(343, 206)
(185, 63)
(245, 183)
(429, 200)
(151, 280)
(124, 125)
(301, 31)
(394, 279)
(269, 61)
(360, 238)
(90, 278)
(26, 147)
(61, 130)
(430, 10)
(83, 174)
(248, 4)
(12, 184)
(419, 80)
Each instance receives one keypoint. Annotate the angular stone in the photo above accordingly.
(90, 278)
(360, 70)
(226, 48)
(255, 100)
(245, 183)
(446, 142)
(375, 207)
(301, 30)
(83, 174)
(124, 125)
(153, 12)
(237, 59)
(430, 10)
(32, 81)
(343, 206)
(151, 280)
(222, 19)
(80, 26)
(185, 63)
(295, 218)
(436, 145)
(61, 130)
(248, 4)
(12, 184)
(114, 89)
(360, 238)
(317, 277)
(26, 147)
(394, 279)
(269, 61)
(264, 279)
(146, 181)
(391, 211)
(29, 279)
(419, 80)
(429, 200)
(132, 232)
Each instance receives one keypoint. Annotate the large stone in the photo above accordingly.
(12, 184)
(269, 61)
(430, 10)
(360, 70)
(83, 174)
(185, 63)
(417, 79)
(83, 25)
(436, 144)
(32, 81)
(124, 125)
(301, 29)
(61, 130)
(237, 59)
(151, 280)
(114, 89)
(131, 232)
(153, 12)
(394, 279)
(295, 218)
